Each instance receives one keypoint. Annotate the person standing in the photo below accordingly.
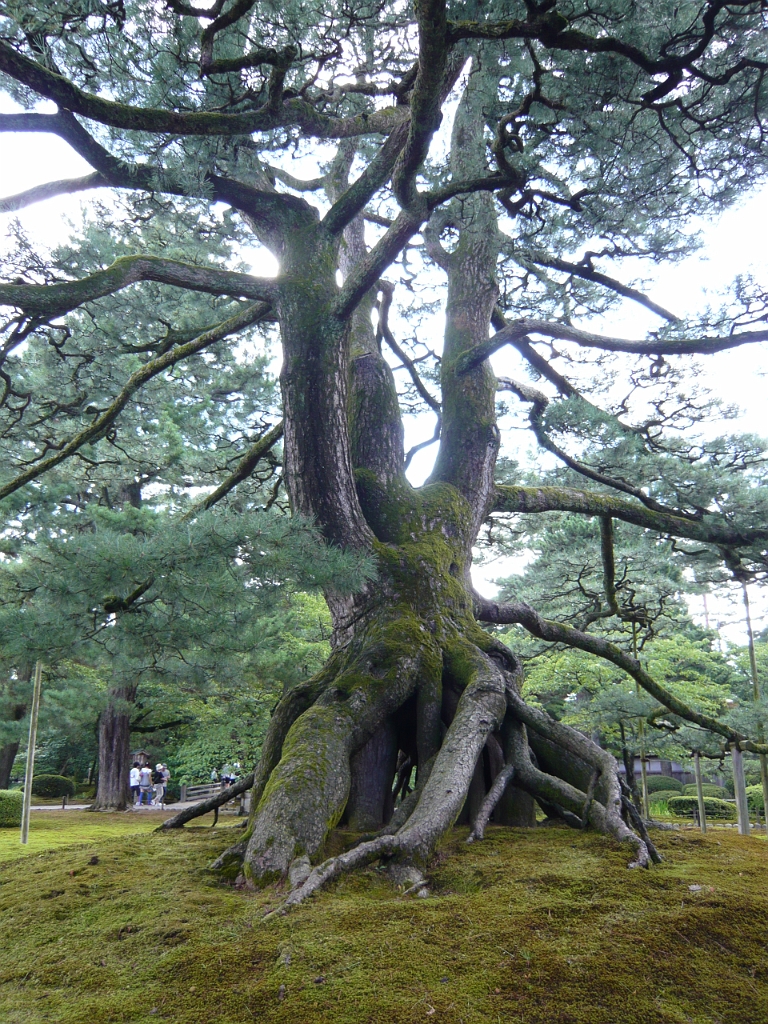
(158, 781)
(145, 785)
(135, 782)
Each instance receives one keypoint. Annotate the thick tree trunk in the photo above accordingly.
(413, 679)
(7, 757)
(16, 709)
(114, 792)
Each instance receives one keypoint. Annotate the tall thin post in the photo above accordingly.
(31, 752)
(740, 790)
(641, 731)
(756, 695)
(699, 791)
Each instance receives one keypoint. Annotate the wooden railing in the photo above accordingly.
(194, 794)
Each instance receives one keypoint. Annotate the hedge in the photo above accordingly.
(707, 788)
(662, 795)
(663, 782)
(52, 785)
(755, 799)
(684, 806)
(11, 801)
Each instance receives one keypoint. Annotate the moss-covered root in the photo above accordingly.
(480, 711)
(308, 789)
(604, 817)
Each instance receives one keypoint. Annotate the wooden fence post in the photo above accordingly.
(31, 752)
(756, 695)
(699, 791)
(740, 790)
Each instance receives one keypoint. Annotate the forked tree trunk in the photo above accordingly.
(413, 680)
(114, 791)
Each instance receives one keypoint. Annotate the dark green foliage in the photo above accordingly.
(707, 788)
(52, 785)
(657, 783)
(172, 792)
(662, 795)
(755, 799)
(11, 805)
(685, 806)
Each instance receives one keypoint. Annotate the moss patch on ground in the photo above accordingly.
(529, 927)
(49, 830)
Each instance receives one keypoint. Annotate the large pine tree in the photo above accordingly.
(582, 134)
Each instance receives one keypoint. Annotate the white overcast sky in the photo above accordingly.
(734, 244)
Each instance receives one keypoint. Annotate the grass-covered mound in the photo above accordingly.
(531, 927)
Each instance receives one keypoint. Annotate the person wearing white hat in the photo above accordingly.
(158, 781)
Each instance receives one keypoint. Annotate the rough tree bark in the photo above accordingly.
(413, 677)
(16, 712)
(114, 791)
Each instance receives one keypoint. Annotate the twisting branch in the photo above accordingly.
(387, 290)
(243, 470)
(587, 272)
(375, 175)
(522, 614)
(426, 98)
(710, 529)
(539, 403)
(295, 111)
(609, 564)
(520, 329)
(52, 300)
(63, 187)
(96, 430)
(535, 359)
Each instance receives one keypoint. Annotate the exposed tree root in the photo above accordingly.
(606, 817)
(213, 803)
(489, 804)
(637, 820)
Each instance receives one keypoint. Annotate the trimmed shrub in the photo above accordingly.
(755, 799)
(662, 796)
(11, 801)
(684, 806)
(172, 792)
(52, 785)
(707, 788)
(657, 783)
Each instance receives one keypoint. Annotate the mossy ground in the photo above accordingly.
(527, 927)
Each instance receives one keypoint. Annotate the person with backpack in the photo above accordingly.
(145, 785)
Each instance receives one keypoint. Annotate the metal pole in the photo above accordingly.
(31, 752)
(699, 791)
(756, 694)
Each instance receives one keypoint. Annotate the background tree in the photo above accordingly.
(582, 135)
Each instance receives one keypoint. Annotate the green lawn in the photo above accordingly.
(544, 926)
(49, 830)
